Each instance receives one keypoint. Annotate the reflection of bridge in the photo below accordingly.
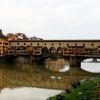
(12, 78)
(75, 49)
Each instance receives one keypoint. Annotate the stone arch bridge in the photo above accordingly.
(76, 50)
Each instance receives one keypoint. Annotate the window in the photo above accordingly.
(59, 44)
(52, 44)
(84, 44)
(6, 43)
(75, 44)
(37, 43)
(67, 44)
(24, 43)
(9, 43)
(45, 44)
(17, 43)
(30, 43)
(92, 44)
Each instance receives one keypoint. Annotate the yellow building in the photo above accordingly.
(12, 37)
(3, 46)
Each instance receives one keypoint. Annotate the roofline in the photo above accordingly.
(54, 40)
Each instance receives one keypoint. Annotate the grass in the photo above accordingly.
(86, 91)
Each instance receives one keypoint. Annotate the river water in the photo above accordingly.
(28, 80)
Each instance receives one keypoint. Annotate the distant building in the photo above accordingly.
(21, 36)
(35, 38)
(11, 36)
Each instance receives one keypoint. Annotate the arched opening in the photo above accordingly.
(59, 50)
(45, 51)
(52, 50)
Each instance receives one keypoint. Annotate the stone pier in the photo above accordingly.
(74, 61)
(94, 59)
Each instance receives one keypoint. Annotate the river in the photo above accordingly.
(29, 80)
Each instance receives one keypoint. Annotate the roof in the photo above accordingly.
(54, 41)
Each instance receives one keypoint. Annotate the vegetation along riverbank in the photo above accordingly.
(81, 90)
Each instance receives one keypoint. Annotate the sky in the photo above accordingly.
(51, 19)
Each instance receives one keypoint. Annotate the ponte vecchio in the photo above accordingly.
(76, 50)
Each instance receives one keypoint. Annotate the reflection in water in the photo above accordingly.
(90, 66)
(44, 76)
(88, 60)
(27, 93)
(56, 65)
(65, 68)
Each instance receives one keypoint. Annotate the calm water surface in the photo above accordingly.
(24, 81)
(55, 74)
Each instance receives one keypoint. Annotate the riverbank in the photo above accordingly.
(86, 90)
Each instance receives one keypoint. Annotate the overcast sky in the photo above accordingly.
(51, 19)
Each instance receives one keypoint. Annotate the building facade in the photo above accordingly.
(3, 46)
(65, 47)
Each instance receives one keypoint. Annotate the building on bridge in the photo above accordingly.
(64, 47)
